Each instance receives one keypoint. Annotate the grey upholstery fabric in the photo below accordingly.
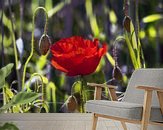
(125, 110)
(147, 77)
(114, 108)
(131, 105)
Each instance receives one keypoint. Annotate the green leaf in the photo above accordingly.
(58, 7)
(8, 92)
(76, 87)
(8, 126)
(132, 53)
(110, 59)
(152, 18)
(142, 58)
(41, 62)
(100, 65)
(20, 98)
(133, 36)
(139, 54)
(6, 106)
(48, 4)
(7, 22)
(25, 97)
(16, 109)
(4, 72)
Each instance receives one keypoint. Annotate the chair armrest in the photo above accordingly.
(98, 91)
(101, 85)
(150, 88)
(148, 100)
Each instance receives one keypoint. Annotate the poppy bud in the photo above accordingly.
(44, 44)
(71, 103)
(117, 74)
(126, 23)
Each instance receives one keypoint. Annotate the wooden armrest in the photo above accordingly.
(101, 85)
(148, 100)
(98, 89)
(148, 97)
(150, 88)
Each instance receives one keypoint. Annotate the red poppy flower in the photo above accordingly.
(76, 56)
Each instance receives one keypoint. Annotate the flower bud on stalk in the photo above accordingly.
(117, 74)
(126, 23)
(44, 44)
(71, 103)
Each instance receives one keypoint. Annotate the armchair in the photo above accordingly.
(142, 102)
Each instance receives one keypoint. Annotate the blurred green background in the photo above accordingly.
(102, 19)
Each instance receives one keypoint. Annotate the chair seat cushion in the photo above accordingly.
(125, 110)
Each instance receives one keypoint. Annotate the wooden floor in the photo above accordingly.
(60, 121)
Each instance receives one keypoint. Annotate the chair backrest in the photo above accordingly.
(147, 77)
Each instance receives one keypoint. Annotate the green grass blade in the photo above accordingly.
(152, 18)
(131, 51)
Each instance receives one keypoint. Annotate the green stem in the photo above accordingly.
(42, 83)
(82, 94)
(14, 44)
(32, 40)
(2, 32)
(137, 29)
(4, 97)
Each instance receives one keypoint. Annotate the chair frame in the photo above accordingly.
(146, 106)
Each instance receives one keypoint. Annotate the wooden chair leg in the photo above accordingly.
(94, 123)
(124, 125)
(146, 110)
(160, 98)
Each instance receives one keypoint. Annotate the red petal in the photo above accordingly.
(58, 66)
(103, 50)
